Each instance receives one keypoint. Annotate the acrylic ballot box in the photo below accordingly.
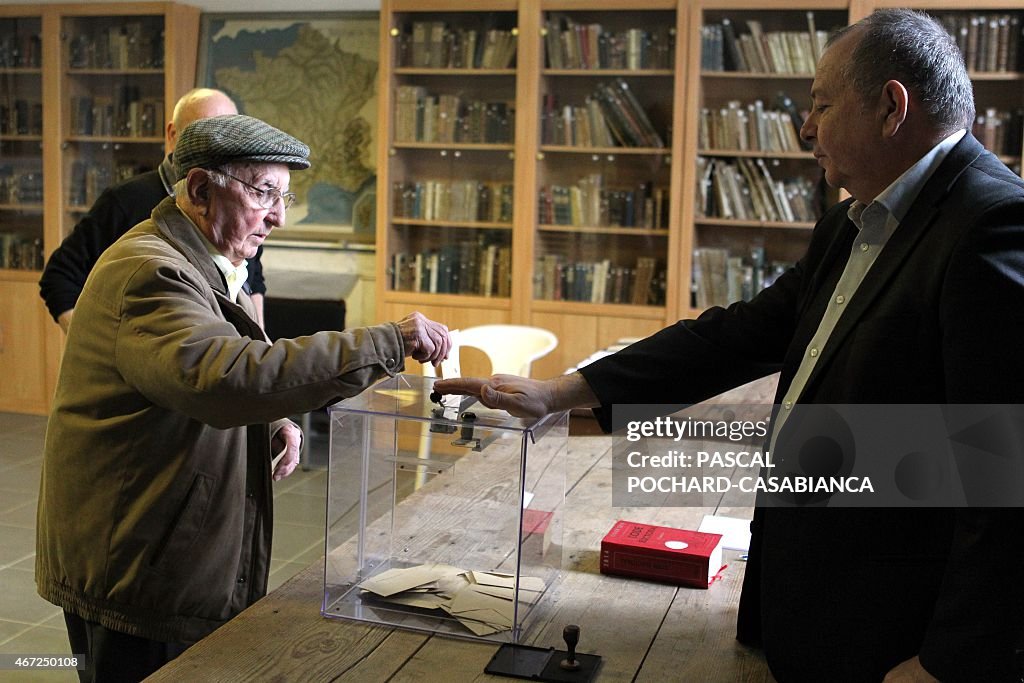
(444, 517)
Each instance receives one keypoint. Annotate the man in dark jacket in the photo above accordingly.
(124, 205)
(910, 293)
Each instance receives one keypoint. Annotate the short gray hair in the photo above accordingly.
(914, 49)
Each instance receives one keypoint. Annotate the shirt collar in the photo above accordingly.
(901, 193)
(166, 171)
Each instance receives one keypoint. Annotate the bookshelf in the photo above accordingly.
(606, 219)
(21, 138)
(84, 92)
(579, 232)
(449, 96)
(990, 37)
(22, 318)
(756, 189)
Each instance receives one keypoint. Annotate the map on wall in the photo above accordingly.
(314, 77)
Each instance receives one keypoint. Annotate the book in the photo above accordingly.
(646, 551)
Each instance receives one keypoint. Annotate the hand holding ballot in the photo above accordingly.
(521, 396)
(425, 340)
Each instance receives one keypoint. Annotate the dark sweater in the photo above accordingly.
(118, 209)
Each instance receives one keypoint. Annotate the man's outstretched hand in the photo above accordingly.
(521, 396)
(518, 396)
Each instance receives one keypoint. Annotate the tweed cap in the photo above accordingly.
(210, 142)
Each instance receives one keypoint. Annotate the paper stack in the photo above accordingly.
(481, 601)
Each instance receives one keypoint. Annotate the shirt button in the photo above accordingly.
(814, 353)
(863, 246)
(787, 405)
(840, 299)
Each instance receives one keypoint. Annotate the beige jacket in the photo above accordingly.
(155, 507)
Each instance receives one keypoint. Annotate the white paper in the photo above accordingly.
(735, 532)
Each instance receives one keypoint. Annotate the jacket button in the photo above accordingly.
(390, 363)
(241, 579)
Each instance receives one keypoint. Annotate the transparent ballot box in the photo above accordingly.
(442, 517)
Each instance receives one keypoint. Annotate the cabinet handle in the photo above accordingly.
(1, 338)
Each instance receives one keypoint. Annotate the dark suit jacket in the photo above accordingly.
(117, 209)
(845, 594)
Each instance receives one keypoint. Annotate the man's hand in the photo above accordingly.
(64, 319)
(425, 340)
(909, 671)
(289, 440)
(519, 396)
(522, 397)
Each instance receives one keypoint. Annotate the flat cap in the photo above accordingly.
(210, 142)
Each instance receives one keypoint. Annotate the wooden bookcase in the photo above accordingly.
(571, 264)
(97, 85)
(755, 190)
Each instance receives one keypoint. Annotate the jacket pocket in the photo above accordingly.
(187, 524)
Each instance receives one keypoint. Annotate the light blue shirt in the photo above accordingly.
(876, 222)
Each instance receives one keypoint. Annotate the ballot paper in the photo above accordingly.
(451, 368)
(482, 601)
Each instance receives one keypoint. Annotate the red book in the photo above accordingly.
(680, 556)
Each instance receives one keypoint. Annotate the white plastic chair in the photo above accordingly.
(511, 349)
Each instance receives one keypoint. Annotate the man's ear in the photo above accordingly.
(893, 104)
(197, 184)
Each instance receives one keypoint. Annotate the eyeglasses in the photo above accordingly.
(267, 199)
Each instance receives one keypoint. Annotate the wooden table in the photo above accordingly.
(645, 631)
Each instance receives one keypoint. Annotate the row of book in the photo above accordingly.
(721, 277)
(750, 128)
(988, 42)
(453, 200)
(1000, 130)
(129, 45)
(435, 45)
(20, 252)
(20, 185)
(610, 117)
(573, 45)
(557, 278)
(20, 44)
(423, 117)
(88, 179)
(481, 267)
(723, 48)
(127, 114)
(744, 189)
(589, 203)
(21, 117)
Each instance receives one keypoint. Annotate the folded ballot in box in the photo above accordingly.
(687, 558)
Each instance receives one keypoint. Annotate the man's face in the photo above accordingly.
(846, 132)
(236, 223)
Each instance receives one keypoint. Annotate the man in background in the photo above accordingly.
(124, 205)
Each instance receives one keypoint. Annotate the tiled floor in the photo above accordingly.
(30, 625)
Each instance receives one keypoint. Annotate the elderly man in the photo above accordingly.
(910, 292)
(155, 508)
(123, 206)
